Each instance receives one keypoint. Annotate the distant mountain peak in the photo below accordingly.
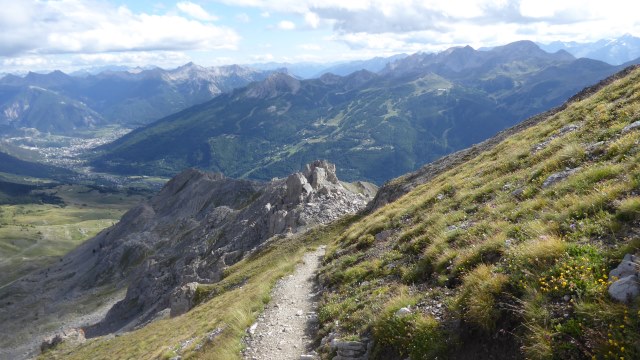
(523, 47)
(353, 80)
(360, 77)
(189, 66)
(330, 78)
(616, 51)
(274, 85)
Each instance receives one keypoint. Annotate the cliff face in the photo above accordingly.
(195, 227)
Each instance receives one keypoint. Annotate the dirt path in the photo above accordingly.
(286, 328)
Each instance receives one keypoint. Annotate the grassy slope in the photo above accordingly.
(493, 273)
(230, 305)
(492, 260)
(32, 235)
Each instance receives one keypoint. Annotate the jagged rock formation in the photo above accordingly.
(196, 226)
(214, 235)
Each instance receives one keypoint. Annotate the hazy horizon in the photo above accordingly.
(69, 35)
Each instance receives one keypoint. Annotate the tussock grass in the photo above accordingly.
(501, 254)
(482, 254)
(478, 294)
(226, 307)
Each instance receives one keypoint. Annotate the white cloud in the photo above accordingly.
(286, 25)
(75, 26)
(243, 18)
(32, 62)
(312, 19)
(424, 24)
(72, 62)
(262, 58)
(195, 11)
(310, 47)
(133, 58)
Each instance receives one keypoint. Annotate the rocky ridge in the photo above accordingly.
(196, 226)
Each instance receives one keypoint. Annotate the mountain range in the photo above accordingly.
(524, 247)
(373, 126)
(61, 104)
(310, 70)
(91, 98)
(612, 51)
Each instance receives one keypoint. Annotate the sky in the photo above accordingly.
(41, 35)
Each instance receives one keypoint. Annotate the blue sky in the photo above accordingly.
(71, 34)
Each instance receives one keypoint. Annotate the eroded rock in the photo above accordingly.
(201, 224)
(625, 289)
(559, 176)
(628, 266)
(403, 312)
(633, 126)
(626, 285)
(182, 299)
(75, 336)
(351, 350)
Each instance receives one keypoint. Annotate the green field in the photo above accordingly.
(33, 235)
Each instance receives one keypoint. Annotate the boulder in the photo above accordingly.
(182, 299)
(278, 222)
(328, 168)
(70, 335)
(625, 289)
(318, 177)
(633, 126)
(403, 312)
(626, 285)
(628, 266)
(350, 350)
(554, 178)
(295, 187)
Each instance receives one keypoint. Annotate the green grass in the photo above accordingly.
(231, 305)
(531, 265)
(33, 235)
(483, 268)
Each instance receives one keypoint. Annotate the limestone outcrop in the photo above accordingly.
(194, 228)
(183, 299)
(626, 279)
(70, 335)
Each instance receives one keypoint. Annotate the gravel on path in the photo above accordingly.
(286, 329)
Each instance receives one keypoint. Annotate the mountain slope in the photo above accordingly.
(506, 254)
(487, 259)
(60, 103)
(12, 165)
(45, 110)
(196, 227)
(373, 126)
